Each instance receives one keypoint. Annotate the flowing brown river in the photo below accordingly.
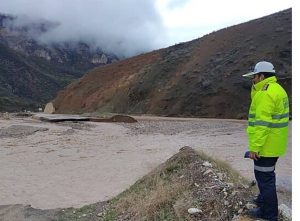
(55, 165)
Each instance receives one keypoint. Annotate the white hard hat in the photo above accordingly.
(262, 66)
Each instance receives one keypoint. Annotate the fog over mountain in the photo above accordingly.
(125, 28)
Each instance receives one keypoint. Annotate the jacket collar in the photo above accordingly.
(259, 86)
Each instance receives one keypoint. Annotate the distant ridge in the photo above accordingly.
(31, 73)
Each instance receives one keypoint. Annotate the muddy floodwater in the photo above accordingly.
(69, 164)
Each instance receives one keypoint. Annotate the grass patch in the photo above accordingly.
(110, 216)
(83, 214)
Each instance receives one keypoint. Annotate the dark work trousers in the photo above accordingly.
(265, 177)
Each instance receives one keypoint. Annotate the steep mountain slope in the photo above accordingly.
(31, 72)
(25, 83)
(198, 78)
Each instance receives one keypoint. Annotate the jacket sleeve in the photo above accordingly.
(263, 121)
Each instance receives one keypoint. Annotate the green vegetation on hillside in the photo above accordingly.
(28, 83)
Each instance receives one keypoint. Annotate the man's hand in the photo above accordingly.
(253, 155)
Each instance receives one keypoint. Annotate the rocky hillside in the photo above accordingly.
(32, 72)
(197, 78)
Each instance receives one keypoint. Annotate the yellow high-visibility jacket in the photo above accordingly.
(268, 119)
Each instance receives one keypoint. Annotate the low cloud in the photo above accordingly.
(123, 27)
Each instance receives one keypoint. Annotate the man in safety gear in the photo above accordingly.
(267, 134)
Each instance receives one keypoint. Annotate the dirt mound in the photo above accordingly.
(187, 182)
(115, 118)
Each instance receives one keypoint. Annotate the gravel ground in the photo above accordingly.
(56, 165)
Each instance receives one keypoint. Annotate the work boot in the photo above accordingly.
(255, 213)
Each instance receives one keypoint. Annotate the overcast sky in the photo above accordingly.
(129, 27)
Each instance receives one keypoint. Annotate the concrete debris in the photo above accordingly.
(209, 171)
(54, 118)
(193, 211)
(211, 187)
(285, 212)
(221, 176)
(250, 206)
(246, 186)
(241, 211)
(234, 193)
(207, 164)
(231, 185)
(59, 117)
(49, 108)
(235, 217)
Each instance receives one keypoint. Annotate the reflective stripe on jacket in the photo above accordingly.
(268, 119)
